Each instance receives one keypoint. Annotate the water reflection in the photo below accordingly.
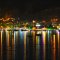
(29, 45)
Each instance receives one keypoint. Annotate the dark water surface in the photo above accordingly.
(29, 45)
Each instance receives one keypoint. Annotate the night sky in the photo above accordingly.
(26, 7)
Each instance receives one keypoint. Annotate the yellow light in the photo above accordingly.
(25, 45)
(58, 27)
(33, 21)
(44, 42)
(34, 28)
(54, 50)
(44, 28)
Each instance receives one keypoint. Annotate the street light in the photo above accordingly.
(33, 21)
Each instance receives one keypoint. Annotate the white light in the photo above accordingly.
(38, 24)
(59, 28)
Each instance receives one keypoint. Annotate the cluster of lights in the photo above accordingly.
(6, 19)
(34, 24)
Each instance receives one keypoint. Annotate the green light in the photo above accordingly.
(29, 27)
(50, 28)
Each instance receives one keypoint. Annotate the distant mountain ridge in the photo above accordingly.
(50, 12)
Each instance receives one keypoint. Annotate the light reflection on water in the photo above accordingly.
(28, 45)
